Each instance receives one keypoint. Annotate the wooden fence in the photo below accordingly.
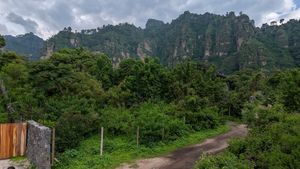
(12, 140)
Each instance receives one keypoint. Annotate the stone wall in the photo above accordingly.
(38, 145)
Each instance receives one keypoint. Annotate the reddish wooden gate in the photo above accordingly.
(12, 140)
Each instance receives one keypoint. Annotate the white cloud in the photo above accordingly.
(53, 15)
(295, 14)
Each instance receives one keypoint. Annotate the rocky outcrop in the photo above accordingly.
(217, 39)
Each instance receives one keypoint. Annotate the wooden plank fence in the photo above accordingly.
(12, 140)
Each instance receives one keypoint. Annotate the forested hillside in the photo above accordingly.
(232, 42)
(28, 45)
(175, 83)
(274, 122)
(77, 91)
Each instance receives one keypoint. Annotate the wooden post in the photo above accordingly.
(137, 136)
(53, 146)
(101, 143)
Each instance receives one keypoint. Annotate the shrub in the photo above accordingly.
(225, 161)
(204, 119)
(72, 128)
(117, 121)
(273, 141)
(155, 125)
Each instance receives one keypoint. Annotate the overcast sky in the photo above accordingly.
(47, 17)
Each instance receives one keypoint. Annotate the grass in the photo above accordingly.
(18, 159)
(22, 161)
(120, 149)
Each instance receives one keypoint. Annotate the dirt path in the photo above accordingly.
(185, 158)
(23, 164)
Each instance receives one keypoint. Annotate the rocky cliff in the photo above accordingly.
(230, 41)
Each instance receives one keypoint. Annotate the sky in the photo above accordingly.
(46, 17)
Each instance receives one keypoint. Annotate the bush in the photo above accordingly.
(273, 141)
(259, 117)
(156, 125)
(117, 121)
(225, 161)
(72, 128)
(206, 118)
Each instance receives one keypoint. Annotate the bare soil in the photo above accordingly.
(185, 158)
(22, 164)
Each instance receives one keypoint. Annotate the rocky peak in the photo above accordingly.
(153, 23)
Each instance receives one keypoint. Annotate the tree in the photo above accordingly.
(2, 41)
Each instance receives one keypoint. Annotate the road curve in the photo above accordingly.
(185, 158)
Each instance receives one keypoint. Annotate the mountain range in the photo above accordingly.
(231, 42)
(28, 45)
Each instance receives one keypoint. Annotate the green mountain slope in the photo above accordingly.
(231, 42)
(28, 45)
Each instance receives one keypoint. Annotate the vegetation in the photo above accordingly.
(2, 41)
(28, 45)
(77, 85)
(274, 120)
(78, 91)
(123, 149)
(232, 42)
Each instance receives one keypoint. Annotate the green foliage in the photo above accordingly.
(156, 124)
(9, 57)
(116, 96)
(253, 54)
(224, 161)
(203, 119)
(117, 121)
(232, 42)
(274, 122)
(273, 141)
(261, 117)
(118, 150)
(2, 42)
(285, 88)
(78, 91)
(146, 80)
(196, 86)
(74, 127)
(243, 86)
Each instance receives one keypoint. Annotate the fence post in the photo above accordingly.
(101, 143)
(53, 146)
(137, 136)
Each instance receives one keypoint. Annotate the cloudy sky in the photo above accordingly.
(47, 17)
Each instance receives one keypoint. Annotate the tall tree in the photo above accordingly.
(2, 41)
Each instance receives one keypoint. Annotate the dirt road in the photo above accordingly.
(185, 158)
(22, 164)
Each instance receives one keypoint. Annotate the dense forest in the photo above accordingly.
(77, 91)
(230, 41)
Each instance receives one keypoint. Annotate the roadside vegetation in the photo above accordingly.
(274, 120)
(118, 150)
(77, 92)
